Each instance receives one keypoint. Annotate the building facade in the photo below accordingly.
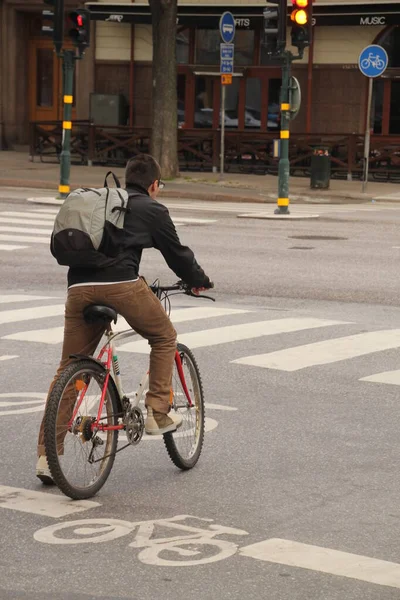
(119, 62)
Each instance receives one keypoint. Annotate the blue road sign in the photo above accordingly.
(373, 61)
(227, 27)
(227, 53)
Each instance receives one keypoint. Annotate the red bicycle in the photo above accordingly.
(88, 408)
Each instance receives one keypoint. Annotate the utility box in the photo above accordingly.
(320, 168)
(108, 109)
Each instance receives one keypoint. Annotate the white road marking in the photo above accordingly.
(8, 248)
(391, 377)
(54, 335)
(328, 351)
(8, 357)
(25, 221)
(24, 238)
(28, 215)
(192, 220)
(234, 333)
(211, 406)
(35, 403)
(325, 560)
(27, 314)
(42, 503)
(47, 211)
(12, 229)
(4, 299)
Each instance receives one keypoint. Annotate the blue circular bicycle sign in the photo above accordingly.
(373, 61)
(227, 27)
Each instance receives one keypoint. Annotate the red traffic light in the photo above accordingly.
(79, 21)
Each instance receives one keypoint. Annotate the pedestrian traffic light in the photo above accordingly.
(300, 17)
(53, 22)
(80, 28)
(275, 26)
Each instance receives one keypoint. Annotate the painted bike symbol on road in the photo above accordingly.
(192, 546)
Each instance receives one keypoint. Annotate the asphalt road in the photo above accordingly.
(296, 493)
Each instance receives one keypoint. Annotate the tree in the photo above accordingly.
(164, 139)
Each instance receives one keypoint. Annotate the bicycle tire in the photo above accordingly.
(172, 440)
(60, 478)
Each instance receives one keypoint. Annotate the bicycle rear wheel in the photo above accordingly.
(184, 446)
(80, 459)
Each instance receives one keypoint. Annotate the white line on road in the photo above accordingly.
(47, 211)
(234, 333)
(193, 220)
(325, 560)
(24, 238)
(28, 215)
(54, 335)
(11, 229)
(8, 247)
(8, 357)
(328, 351)
(24, 221)
(4, 299)
(42, 503)
(26, 314)
(391, 377)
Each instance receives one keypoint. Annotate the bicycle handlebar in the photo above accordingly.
(180, 286)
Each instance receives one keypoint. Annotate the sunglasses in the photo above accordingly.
(161, 184)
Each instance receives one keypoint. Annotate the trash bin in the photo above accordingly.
(320, 168)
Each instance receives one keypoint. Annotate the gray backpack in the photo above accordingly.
(88, 230)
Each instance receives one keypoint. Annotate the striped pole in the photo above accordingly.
(65, 158)
(284, 167)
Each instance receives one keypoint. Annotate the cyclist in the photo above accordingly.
(147, 225)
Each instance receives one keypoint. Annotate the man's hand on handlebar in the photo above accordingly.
(196, 291)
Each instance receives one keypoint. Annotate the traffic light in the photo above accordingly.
(80, 28)
(53, 22)
(301, 23)
(275, 27)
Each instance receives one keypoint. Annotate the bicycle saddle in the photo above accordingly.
(97, 312)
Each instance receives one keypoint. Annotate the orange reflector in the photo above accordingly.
(80, 385)
(300, 17)
(171, 396)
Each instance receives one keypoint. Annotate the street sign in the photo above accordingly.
(294, 97)
(373, 61)
(226, 79)
(227, 27)
(227, 53)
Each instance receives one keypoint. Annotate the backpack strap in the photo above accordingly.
(116, 180)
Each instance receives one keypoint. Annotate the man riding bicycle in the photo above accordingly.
(147, 225)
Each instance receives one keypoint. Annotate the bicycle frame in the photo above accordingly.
(111, 365)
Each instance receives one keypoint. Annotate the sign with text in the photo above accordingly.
(226, 53)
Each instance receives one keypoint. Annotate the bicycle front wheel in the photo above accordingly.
(184, 446)
(80, 458)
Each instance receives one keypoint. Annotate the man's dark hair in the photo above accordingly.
(142, 170)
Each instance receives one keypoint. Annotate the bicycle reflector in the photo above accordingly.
(301, 23)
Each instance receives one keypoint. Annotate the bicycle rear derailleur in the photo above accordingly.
(134, 425)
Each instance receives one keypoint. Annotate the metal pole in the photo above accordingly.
(223, 100)
(284, 170)
(367, 139)
(65, 158)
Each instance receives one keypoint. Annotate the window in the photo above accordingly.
(44, 77)
(244, 47)
(207, 47)
(252, 116)
(377, 105)
(394, 123)
(204, 102)
(182, 47)
(231, 104)
(391, 43)
(181, 89)
(274, 90)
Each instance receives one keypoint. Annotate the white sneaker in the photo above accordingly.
(160, 423)
(43, 471)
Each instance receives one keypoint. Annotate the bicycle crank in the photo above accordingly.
(134, 425)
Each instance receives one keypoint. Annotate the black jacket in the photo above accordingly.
(147, 225)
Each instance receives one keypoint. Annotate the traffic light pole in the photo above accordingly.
(284, 166)
(68, 90)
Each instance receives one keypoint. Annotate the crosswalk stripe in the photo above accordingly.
(42, 503)
(28, 314)
(10, 247)
(25, 221)
(192, 220)
(325, 352)
(54, 335)
(25, 230)
(7, 357)
(46, 211)
(325, 560)
(391, 377)
(24, 238)
(26, 215)
(234, 333)
(4, 299)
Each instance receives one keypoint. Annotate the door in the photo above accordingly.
(45, 82)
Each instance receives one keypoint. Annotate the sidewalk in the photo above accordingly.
(16, 170)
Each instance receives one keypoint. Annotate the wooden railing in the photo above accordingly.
(199, 149)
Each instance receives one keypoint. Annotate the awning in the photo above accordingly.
(249, 16)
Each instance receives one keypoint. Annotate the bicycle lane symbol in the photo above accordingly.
(194, 545)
